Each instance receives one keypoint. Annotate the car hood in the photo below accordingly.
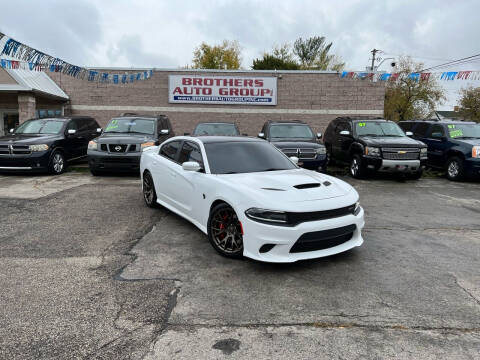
(288, 144)
(279, 186)
(471, 142)
(124, 138)
(27, 139)
(401, 141)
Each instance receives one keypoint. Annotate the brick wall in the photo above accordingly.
(307, 92)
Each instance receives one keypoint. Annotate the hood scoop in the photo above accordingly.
(273, 189)
(307, 186)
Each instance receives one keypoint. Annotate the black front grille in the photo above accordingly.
(132, 148)
(119, 160)
(103, 147)
(320, 240)
(295, 218)
(302, 154)
(401, 153)
(21, 150)
(117, 148)
(4, 149)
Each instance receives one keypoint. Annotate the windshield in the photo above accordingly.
(216, 129)
(41, 126)
(458, 131)
(291, 131)
(131, 125)
(373, 128)
(245, 157)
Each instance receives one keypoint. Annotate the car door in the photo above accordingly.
(185, 193)
(163, 171)
(420, 132)
(342, 142)
(73, 142)
(436, 141)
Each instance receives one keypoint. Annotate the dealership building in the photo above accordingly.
(188, 97)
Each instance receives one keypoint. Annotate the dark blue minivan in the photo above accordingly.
(452, 145)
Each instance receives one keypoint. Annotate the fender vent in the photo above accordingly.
(307, 186)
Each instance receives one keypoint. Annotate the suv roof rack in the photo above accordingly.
(360, 117)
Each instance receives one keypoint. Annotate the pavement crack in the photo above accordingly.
(477, 301)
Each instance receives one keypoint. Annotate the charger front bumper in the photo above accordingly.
(257, 234)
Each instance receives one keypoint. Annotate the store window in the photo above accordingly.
(44, 113)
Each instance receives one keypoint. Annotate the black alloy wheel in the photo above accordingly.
(330, 160)
(148, 188)
(225, 231)
(455, 170)
(57, 163)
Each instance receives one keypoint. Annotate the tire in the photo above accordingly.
(357, 168)
(415, 175)
(330, 160)
(454, 168)
(225, 231)
(95, 172)
(148, 189)
(57, 163)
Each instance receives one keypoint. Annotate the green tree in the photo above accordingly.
(223, 56)
(313, 54)
(469, 103)
(271, 62)
(408, 98)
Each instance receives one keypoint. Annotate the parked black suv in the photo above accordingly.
(120, 146)
(452, 145)
(216, 129)
(296, 139)
(374, 145)
(47, 144)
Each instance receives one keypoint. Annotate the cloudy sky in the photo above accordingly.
(156, 33)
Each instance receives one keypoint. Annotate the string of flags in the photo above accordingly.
(27, 58)
(418, 76)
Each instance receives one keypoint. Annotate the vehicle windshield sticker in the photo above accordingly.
(113, 125)
(456, 133)
(131, 123)
(451, 126)
(362, 124)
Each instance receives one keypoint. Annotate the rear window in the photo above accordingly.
(216, 129)
(406, 126)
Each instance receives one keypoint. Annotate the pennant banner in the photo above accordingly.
(27, 58)
(424, 76)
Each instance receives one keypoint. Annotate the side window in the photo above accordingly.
(170, 149)
(421, 129)
(92, 125)
(72, 125)
(406, 126)
(190, 152)
(437, 131)
(341, 126)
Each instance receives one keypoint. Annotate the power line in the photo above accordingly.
(456, 62)
(419, 57)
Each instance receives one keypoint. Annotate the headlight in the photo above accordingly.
(423, 152)
(357, 209)
(38, 147)
(321, 151)
(92, 145)
(147, 144)
(372, 151)
(476, 151)
(269, 216)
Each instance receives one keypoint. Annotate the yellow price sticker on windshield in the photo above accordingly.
(451, 126)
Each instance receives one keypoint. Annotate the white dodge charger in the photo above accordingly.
(252, 200)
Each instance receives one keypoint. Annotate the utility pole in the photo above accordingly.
(374, 52)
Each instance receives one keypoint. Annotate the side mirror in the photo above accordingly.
(294, 159)
(156, 143)
(99, 130)
(71, 131)
(191, 166)
(345, 133)
(186, 134)
(164, 132)
(319, 135)
(261, 135)
(408, 133)
(11, 131)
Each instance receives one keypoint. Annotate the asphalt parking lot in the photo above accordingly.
(88, 271)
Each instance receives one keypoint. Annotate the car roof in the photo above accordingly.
(63, 118)
(218, 139)
(216, 122)
(286, 122)
(450, 122)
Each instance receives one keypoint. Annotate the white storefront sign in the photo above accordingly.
(222, 90)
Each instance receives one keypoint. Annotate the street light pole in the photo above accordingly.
(374, 52)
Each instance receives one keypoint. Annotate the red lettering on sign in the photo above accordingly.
(223, 91)
(258, 83)
(186, 81)
(238, 82)
(197, 81)
(208, 82)
(249, 83)
(177, 91)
